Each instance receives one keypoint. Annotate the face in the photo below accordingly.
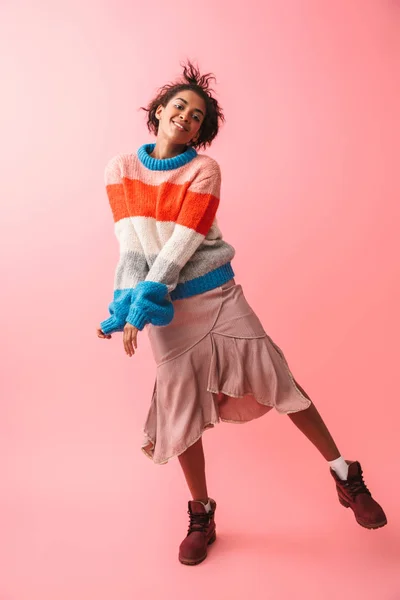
(181, 119)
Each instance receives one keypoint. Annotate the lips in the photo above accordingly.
(179, 126)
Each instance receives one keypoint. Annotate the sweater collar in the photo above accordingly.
(164, 164)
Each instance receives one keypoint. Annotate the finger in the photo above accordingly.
(128, 343)
(133, 341)
(102, 335)
(125, 343)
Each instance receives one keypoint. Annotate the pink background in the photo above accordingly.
(310, 200)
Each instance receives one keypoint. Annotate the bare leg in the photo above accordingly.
(310, 423)
(193, 465)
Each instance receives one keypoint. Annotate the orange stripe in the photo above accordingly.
(165, 202)
(116, 196)
(198, 212)
(162, 202)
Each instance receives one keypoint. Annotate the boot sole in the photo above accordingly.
(197, 561)
(365, 525)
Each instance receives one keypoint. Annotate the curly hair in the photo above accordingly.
(200, 84)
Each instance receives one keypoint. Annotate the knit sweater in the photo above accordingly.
(170, 244)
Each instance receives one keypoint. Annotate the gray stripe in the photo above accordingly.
(132, 268)
(205, 259)
(167, 272)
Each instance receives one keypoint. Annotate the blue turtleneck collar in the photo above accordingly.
(164, 164)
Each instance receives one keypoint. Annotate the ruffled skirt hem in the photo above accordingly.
(221, 378)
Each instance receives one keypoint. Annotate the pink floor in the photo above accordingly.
(82, 520)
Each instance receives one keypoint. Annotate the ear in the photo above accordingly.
(159, 112)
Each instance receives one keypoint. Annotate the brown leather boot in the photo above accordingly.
(201, 533)
(354, 494)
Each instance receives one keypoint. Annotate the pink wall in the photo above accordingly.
(310, 200)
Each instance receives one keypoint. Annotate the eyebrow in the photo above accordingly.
(195, 109)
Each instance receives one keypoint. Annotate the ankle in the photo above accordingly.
(340, 466)
(205, 503)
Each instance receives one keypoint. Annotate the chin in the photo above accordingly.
(178, 137)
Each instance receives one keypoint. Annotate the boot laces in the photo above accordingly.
(356, 486)
(198, 522)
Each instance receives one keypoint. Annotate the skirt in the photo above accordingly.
(214, 363)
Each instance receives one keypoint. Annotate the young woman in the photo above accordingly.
(174, 277)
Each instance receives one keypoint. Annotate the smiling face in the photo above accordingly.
(180, 121)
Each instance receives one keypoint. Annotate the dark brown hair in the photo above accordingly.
(200, 84)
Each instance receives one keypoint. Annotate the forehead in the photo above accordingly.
(193, 99)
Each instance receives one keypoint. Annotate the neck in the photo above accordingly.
(164, 149)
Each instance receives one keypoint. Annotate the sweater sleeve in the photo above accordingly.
(150, 299)
(132, 266)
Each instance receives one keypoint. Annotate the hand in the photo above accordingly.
(130, 339)
(102, 335)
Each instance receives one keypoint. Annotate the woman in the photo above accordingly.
(214, 359)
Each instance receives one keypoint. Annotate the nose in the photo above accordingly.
(184, 116)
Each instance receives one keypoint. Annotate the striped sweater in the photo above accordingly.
(170, 244)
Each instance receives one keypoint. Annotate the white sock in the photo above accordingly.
(207, 506)
(340, 467)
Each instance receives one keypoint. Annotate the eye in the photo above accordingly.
(196, 116)
(178, 105)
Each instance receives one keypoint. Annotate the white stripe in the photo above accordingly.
(148, 236)
(127, 236)
(178, 250)
(152, 234)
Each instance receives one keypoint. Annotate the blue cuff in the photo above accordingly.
(111, 325)
(150, 304)
(137, 319)
(118, 310)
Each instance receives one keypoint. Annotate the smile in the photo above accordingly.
(179, 126)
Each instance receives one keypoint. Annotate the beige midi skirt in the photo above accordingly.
(214, 363)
